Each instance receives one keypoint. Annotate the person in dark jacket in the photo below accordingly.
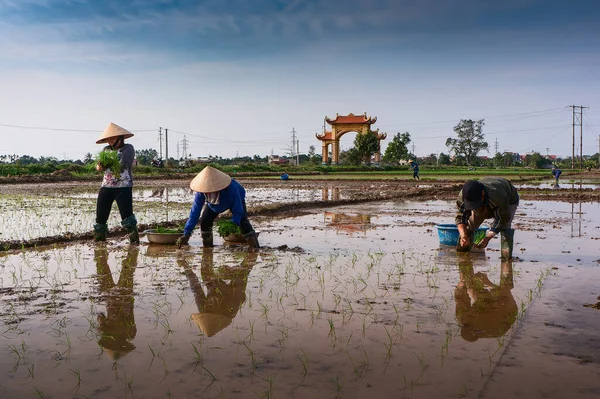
(116, 186)
(556, 173)
(489, 198)
(217, 192)
(414, 166)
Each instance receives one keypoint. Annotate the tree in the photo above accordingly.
(313, 158)
(366, 145)
(470, 139)
(396, 149)
(88, 158)
(443, 159)
(145, 157)
(351, 157)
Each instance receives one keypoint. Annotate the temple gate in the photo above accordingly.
(341, 125)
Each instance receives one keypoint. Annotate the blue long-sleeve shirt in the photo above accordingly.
(230, 198)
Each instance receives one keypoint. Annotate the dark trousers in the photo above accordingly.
(107, 196)
(208, 216)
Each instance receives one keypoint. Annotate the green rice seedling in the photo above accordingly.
(39, 393)
(109, 159)
(227, 227)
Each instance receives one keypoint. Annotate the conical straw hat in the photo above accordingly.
(210, 323)
(112, 131)
(210, 180)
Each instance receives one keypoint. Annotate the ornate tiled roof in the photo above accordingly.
(351, 118)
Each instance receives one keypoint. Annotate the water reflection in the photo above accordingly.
(484, 309)
(335, 194)
(576, 220)
(225, 290)
(117, 326)
(348, 223)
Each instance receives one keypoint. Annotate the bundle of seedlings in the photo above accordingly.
(165, 230)
(109, 159)
(228, 230)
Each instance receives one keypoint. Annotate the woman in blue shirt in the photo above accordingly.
(217, 192)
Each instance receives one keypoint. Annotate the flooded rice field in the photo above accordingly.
(342, 301)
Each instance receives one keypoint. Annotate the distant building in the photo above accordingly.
(277, 160)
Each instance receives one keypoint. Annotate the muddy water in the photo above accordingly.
(362, 301)
(72, 208)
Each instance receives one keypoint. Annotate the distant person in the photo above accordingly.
(489, 198)
(115, 188)
(414, 166)
(217, 192)
(556, 173)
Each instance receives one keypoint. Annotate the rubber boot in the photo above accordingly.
(207, 238)
(506, 243)
(252, 239)
(130, 224)
(100, 231)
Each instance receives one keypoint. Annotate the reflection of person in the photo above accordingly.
(116, 189)
(225, 291)
(414, 166)
(490, 197)
(216, 192)
(556, 173)
(117, 327)
(484, 309)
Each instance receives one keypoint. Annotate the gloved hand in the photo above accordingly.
(183, 240)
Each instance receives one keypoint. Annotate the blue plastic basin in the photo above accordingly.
(448, 233)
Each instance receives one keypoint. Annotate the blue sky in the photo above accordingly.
(237, 76)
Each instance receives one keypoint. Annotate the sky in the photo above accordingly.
(235, 77)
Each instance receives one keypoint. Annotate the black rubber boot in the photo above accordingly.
(130, 224)
(252, 239)
(100, 231)
(207, 239)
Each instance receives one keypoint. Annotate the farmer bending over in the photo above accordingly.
(556, 173)
(217, 192)
(490, 197)
(116, 185)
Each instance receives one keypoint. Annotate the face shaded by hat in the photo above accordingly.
(113, 131)
(472, 193)
(210, 180)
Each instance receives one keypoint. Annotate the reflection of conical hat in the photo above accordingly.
(115, 350)
(113, 131)
(211, 323)
(210, 180)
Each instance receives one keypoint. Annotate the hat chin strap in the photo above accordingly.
(118, 144)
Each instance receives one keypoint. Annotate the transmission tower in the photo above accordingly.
(184, 147)
(496, 147)
(577, 121)
(295, 145)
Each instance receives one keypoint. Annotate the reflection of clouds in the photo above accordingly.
(117, 327)
(225, 290)
(484, 309)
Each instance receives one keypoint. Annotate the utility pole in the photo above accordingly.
(160, 142)
(577, 121)
(177, 149)
(166, 147)
(413, 150)
(496, 146)
(297, 152)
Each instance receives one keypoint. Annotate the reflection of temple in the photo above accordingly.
(117, 327)
(225, 290)
(335, 194)
(341, 125)
(484, 309)
(348, 223)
